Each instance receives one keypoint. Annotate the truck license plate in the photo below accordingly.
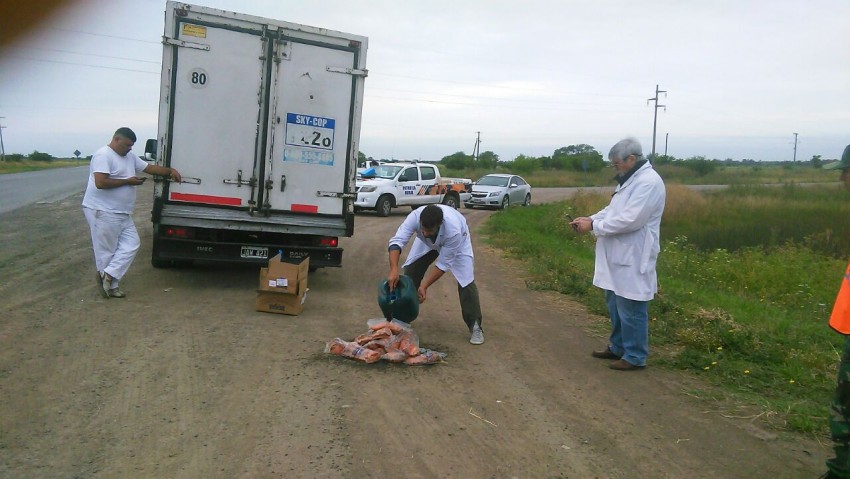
(255, 252)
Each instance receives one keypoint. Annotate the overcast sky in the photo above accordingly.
(531, 76)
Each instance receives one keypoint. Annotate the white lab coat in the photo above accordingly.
(453, 243)
(628, 237)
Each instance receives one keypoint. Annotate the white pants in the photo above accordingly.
(115, 242)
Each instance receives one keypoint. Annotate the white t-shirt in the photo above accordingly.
(116, 200)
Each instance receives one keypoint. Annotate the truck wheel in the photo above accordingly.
(505, 202)
(384, 205)
(527, 200)
(451, 200)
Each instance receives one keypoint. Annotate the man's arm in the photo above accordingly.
(103, 182)
(433, 275)
(392, 277)
(163, 171)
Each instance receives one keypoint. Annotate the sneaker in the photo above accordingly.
(103, 284)
(477, 336)
(116, 293)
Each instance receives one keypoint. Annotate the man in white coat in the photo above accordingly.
(108, 206)
(627, 235)
(442, 238)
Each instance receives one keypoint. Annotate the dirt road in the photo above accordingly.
(183, 379)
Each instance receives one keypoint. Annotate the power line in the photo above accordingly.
(76, 64)
(107, 36)
(92, 55)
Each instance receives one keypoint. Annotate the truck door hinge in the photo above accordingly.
(336, 194)
(282, 183)
(185, 44)
(239, 181)
(349, 71)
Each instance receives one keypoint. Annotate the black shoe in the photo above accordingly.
(605, 354)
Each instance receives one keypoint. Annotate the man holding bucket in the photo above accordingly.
(442, 238)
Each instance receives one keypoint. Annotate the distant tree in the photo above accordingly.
(578, 158)
(38, 156)
(663, 159)
(523, 164)
(487, 160)
(15, 157)
(361, 157)
(700, 165)
(573, 150)
(457, 161)
(817, 162)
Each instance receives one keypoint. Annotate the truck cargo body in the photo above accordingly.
(262, 119)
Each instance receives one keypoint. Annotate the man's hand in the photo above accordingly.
(392, 278)
(421, 292)
(135, 180)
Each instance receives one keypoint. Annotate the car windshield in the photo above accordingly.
(382, 171)
(493, 181)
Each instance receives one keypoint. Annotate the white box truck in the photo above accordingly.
(262, 119)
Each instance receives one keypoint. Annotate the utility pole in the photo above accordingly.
(666, 136)
(2, 148)
(476, 148)
(795, 147)
(655, 116)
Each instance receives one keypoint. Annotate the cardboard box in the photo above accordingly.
(282, 303)
(283, 276)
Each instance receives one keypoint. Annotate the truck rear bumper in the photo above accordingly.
(169, 249)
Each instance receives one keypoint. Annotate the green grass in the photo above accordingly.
(744, 305)
(22, 166)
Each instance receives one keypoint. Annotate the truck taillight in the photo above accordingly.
(331, 241)
(185, 233)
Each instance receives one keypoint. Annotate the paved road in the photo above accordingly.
(22, 189)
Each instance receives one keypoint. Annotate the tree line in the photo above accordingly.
(584, 158)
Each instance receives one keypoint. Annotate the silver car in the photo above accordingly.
(499, 190)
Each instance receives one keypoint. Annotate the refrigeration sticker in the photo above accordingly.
(308, 131)
(194, 30)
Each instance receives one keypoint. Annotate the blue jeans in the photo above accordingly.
(629, 328)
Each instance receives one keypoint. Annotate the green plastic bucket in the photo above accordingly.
(402, 303)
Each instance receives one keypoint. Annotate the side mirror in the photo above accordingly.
(150, 150)
(514, 185)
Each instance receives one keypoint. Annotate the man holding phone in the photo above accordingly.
(108, 206)
(627, 233)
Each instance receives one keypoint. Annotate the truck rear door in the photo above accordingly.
(215, 85)
(310, 163)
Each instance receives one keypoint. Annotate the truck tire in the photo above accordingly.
(452, 199)
(384, 205)
(506, 201)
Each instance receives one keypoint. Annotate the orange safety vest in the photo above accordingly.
(840, 318)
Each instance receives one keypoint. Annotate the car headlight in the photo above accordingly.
(495, 193)
(368, 189)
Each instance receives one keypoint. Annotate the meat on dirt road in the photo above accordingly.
(183, 379)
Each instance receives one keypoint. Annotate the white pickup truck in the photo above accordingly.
(389, 185)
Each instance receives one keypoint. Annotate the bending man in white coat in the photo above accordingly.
(108, 206)
(627, 235)
(442, 238)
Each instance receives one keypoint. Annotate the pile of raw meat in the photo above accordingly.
(392, 341)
